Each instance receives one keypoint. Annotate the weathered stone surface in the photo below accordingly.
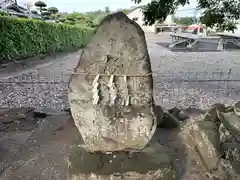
(12, 119)
(203, 148)
(214, 139)
(13, 114)
(237, 108)
(119, 47)
(231, 122)
(151, 163)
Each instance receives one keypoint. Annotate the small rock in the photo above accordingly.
(182, 115)
(174, 111)
(169, 121)
(237, 108)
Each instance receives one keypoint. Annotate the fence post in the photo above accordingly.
(229, 75)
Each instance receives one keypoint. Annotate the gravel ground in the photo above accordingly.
(181, 78)
(42, 85)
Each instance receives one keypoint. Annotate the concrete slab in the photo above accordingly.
(41, 155)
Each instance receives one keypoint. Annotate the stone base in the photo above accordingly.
(152, 163)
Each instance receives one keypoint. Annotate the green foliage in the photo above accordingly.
(42, 7)
(2, 13)
(45, 13)
(222, 14)
(77, 19)
(53, 10)
(126, 11)
(67, 21)
(40, 4)
(185, 20)
(96, 16)
(34, 12)
(21, 38)
(107, 10)
(61, 19)
(160, 9)
(55, 16)
(46, 17)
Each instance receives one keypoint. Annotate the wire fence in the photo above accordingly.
(182, 89)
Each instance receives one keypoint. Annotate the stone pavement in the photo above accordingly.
(40, 151)
(37, 147)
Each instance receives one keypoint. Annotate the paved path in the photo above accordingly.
(38, 153)
(41, 153)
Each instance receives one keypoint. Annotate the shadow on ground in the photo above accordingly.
(184, 49)
(41, 151)
(169, 138)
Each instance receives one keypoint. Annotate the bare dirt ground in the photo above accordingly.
(38, 153)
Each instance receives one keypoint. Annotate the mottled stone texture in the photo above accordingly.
(118, 47)
(152, 163)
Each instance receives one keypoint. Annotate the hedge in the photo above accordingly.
(22, 38)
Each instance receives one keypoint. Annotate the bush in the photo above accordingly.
(2, 13)
(22, 38)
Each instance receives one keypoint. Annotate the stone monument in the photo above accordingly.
(111, 101)
(111, 89)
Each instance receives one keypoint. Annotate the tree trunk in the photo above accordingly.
(41, 13)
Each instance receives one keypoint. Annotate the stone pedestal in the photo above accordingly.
(152, 163)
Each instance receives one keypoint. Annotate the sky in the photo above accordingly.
(91, 5)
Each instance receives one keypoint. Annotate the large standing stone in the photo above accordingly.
(118, 48)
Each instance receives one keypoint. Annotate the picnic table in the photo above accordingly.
(229, 37)
(190, 40)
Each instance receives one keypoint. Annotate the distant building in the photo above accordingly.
(13, 9)
(137, 15)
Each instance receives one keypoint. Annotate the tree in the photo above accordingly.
(107, 10)
(45, 13)
(185, 20)
(53, 10)
(55, 16)
(78, 19)
(221, 14)
(126, 11)
(34, 12)
(44, 9)
(61, 19)
(41, 5)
